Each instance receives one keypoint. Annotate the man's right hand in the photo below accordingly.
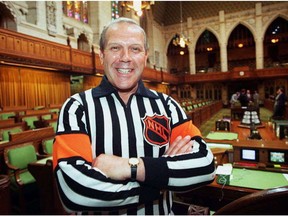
(180, 146)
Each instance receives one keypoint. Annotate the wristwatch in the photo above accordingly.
(133, 162)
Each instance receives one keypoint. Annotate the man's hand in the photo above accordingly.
(114, 167)
(180, 146)
(117, 168)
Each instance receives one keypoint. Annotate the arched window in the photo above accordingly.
(76, 9)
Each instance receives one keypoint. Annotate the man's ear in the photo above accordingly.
(101, 55)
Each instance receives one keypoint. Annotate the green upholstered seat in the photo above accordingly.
(30, 121)
(47, 145)
(7, 115)
(5, 133)
(18, 158)
(21, 156)
(46, 117)
(54, 125)
(22, 183)
(55, 110)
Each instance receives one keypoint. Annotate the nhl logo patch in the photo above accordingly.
(156, 129)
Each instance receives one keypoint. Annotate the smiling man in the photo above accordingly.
(121, 148)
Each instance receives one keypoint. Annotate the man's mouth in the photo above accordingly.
(124, 70)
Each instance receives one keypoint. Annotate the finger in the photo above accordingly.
(172, 145)
(187, 147)
(179, 146)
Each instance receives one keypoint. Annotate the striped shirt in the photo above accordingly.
(97, 121)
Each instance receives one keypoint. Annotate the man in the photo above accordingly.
(121, 148)
(234, 98)
(243, 98)
(279, 104)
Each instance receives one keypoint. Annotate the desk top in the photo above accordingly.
(257, 179)
(217, 135)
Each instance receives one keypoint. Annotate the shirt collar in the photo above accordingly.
(106, 88)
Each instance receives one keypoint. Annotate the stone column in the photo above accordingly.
(223, 43)
(259, 37)
(191, 47)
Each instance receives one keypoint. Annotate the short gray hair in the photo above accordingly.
(102, 41)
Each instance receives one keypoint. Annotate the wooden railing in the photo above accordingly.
(20, 49)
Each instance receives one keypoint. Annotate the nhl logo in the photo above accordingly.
(156, 129)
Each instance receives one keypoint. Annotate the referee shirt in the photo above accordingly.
(97, 121)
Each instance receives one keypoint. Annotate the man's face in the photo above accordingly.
(124, 56)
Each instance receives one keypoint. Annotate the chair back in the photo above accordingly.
(7, 115)
(46, 116)
(222, 125)
(30, 121)
(5, 132)
(266, 202)
(20, 155)
(54, 125)
(47, 145)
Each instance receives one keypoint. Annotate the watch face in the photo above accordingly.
(133, 161)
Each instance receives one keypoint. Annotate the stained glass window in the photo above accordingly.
(114, 8)
(76, 9)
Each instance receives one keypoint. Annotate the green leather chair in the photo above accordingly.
(47, 145)
(30, 121)
(7, 115)
(5, 132)
(46, 117)
(54, 125)
(22, 183)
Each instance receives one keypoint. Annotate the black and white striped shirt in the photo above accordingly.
(97, 121)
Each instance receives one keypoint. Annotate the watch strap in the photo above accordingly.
(133, 172)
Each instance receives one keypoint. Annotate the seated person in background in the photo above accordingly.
(121, 148)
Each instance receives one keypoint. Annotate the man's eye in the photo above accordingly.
(115, 48)
(135, 49)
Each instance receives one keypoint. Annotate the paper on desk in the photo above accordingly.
(224, 170)
(286, 176)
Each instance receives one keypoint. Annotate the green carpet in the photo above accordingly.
(209, 125)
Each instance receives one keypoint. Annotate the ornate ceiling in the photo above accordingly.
(168, 12)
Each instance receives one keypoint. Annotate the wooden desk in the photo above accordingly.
(216, 195)
(42, 171)
(237, 112)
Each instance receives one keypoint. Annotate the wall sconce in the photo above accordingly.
(240, 45)
(209, 49)
(274, 40)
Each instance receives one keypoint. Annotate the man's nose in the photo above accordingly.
(125, 55)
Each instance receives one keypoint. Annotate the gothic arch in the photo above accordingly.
(249, 27)
(197, 37)
(14, 11)
(272, 19)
